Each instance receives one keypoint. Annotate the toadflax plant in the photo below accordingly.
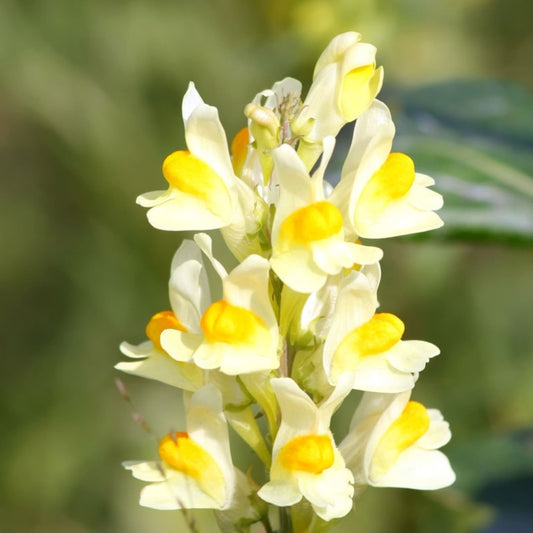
(297, 327)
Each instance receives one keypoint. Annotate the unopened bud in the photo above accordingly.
(265, 125)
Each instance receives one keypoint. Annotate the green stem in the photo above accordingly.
(285, 523)
(266, 523)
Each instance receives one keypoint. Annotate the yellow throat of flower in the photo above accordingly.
(159, 322)
(193, 176)
(307, 453)
(314, 222)
(239, 150)
(181, 453)
(401, 434)
(355, 82)
(376, 336)
(390, 182)
(231, 324)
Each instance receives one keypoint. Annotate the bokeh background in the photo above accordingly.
(90, 96)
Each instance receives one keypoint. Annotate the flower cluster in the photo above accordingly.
(275, 345)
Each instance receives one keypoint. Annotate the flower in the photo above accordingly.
(201, 193)
(195, 470)
(393, 442)
(368, 344)
(379, 192)
(307, 233)
(153, 362)
(188, 294)
(317, 312)
(306, 462)
(237, 334)
(345, 82)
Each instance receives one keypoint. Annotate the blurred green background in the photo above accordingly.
(90, 96)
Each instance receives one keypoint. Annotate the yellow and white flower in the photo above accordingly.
(195, 470)
(393, 442)
(306, 462)
(237, 334)
(307, 233)
(379, 192)
(345, 82)
(189, 295)
(201, 193)
(368, 344)
(317, 312)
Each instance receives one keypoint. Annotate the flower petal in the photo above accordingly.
(375, 374)
(330, 493)
(178, 344)
(161, 367)
(419, 469)
(188, 286)
(411, 356)
(137, 350)
(183, 212)
(178, 492)
(297, 269)
(146, 470)
(280, 493)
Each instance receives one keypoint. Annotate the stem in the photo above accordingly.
(266, 523)
(283, 361)
(312, 524)
(285, 523)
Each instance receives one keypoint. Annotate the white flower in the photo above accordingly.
(380, 193)
(201, 193)
(393, 442)
(345, 82)
(307, 233)
(368, 344)
(195, 470)
(306, 462)
(237, 334)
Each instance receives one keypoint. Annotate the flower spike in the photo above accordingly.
(275, 340)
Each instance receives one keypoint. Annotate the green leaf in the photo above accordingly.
(491, 458)
(475, 138)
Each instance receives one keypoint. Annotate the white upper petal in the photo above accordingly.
(355, 305)
(296, 190)
(207, 426)
(188, 286)
(335, 49)
(247, 286)
(299, 415)
(205, 244)
(206, 139)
